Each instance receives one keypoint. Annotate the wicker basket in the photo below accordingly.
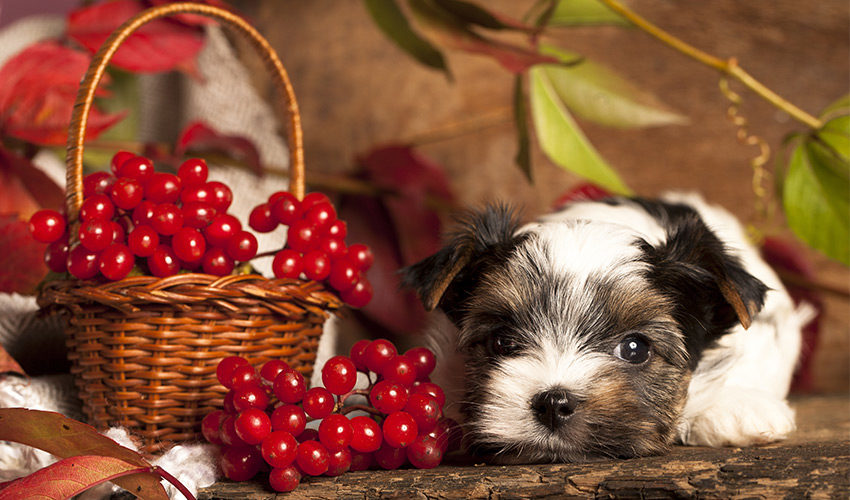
(144, 350)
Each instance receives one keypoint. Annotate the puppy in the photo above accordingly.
(610, 328)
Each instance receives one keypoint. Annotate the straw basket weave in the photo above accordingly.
(144, 350)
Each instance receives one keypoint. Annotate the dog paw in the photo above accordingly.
(735, 417)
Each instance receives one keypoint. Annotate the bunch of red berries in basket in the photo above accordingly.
(399, 416)
(164, 223)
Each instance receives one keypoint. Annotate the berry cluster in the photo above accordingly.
(401, 418)
(315, 244)
(165, 222)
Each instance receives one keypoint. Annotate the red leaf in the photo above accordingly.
(38, 87)
(160, 45)
(64, 437)
(24, 188)
(21, 257)
(449, 32)
(200, 137)
(194, 19)
(401, 228)
(8, 363)
(582, 192)
(69, 477)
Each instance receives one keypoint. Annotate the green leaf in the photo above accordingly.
(123, 97)
(470, 13)
(835, 134)
(585, 13)
(391, 20)
(816, 198)
(596, 93)
(562, 140)
(840, 107)
(523, 154)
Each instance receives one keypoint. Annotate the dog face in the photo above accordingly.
(579, 338)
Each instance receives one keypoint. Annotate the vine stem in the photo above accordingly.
(729, 67)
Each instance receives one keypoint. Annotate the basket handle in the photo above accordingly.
(85, 96)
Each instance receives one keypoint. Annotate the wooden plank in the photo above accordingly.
(813, 463)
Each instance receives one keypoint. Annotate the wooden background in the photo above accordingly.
(357, 90)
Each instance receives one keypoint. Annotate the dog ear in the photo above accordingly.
(705, 276)
(446, 278)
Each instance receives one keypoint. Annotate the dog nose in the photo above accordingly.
(553, 407)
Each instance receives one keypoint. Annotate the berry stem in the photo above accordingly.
(357, 392)
(173, 480)
(366, 408)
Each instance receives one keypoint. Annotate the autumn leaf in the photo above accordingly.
(38, 87)
(8, 363)
(161, 45)
(21, 257)
(65, 437)
(198, 137)
(24, 188)
(69, 477)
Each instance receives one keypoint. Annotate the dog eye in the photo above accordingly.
(634, 349)
(502, 345)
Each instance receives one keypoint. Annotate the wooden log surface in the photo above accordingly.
(813, 463)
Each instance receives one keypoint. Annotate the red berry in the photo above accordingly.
(424, 452)
(163, 262)
(193, 172)
(400, 370)
(216, 262)
(361, 461)
(163, 187)
(222, 196)
(82, 263)
(138, 167)
(227, 404)
(317, 265)
(312, 199)
(221, 229)
(359, 295)
(344, 274)
(430, 389)
(388, 397)
(189, 244)
(56, 256)
(116, 262)
(253, 425)
(302, 236)
(425, 411)
(333, 247)
(118, 159)
(358, 354)
(240, 463)
(97, 206)
(198, 215)
(143, 213)
(224, 370)
(167, 219)
(196, 194)
(285, 208)
(335, 432)
(361, 255)
(242, 246)
(261, 219)
(289, 386)
(339, 463)
(96, 234)
(390, 458)
(318, 402)
(118, 235)
(423, 360)
(312, 458)
(399, 429)
(284, 480)
(97, 183)
(448, 434)
(339, 375)
(271, 369)
(126, 193)
(143, 240)
(336, 230)
(279, 449)
(211, 426)
(250, 396)
(47, 226)
(366, 435)
(287, 264)
(308, 435)
(289, 418)
(320, 215)
(244, 376)
(378, 354)
(228, 431)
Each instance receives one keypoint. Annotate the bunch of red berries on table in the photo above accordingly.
(398, 416)
(168, 223)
